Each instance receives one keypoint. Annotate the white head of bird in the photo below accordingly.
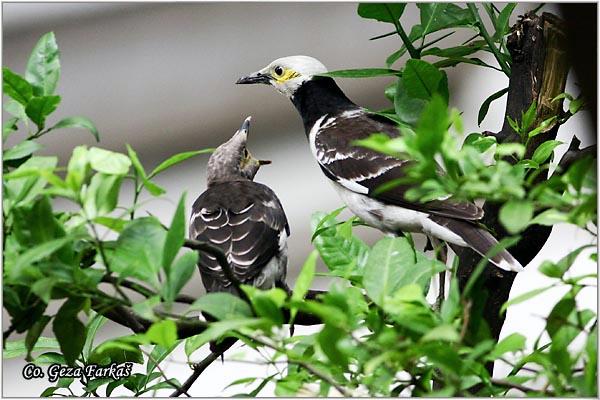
(286, 74)
(232, 161)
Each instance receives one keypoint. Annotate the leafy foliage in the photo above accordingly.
(380, 336)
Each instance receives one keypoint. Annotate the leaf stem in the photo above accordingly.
(475, 13)
(414, 53)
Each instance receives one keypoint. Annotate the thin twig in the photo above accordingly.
(144, 291)
(160, 370)
(100, 245)
(510, 385)
(324, 377)
(199, 368)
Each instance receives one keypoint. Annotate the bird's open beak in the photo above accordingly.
(256, 77)
(264, 162)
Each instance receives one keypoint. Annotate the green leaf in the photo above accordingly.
(325, 223)
(17, 110)
(438, 16)
(138, 251)
(528, 117)
(78, 168)
(407, 108)
(39, 108)
(516, 214)
(502, 21)
(507, 149)
(21, 150)
(557, 270)
(421, 79)
(102, 194)
(452, 52)
(163, 333)
(153, 188)
(93, 326)
(222, 306)
(115, 224)
(544, 126)
(35, 254)
(524, 297)
(108, 162)
(445, 333)
(216, 330)
(118, 351)
(509, 344)
(395, 56)
(179, 274)
(175, 235)
(432, 126)
(385, 265)
(69, 330)
(328, 340)
(544, 151)
(78, 122)
(18, 348)
(360, 73)
(176, 159)
(342, 254)
(33, 334)
(22, 189)
(451, 305)
(9, 127)
(304, 280)
(43, 66)
(389, 12)
(485, 106)
(16, 87)
(267, 303)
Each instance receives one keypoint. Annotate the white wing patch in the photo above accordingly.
(312, 136)
(353, 113)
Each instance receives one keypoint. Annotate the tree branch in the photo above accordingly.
(200, 367)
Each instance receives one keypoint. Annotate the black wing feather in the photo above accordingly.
(245, 220)
(339, 157)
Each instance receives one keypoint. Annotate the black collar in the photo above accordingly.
(317, 97)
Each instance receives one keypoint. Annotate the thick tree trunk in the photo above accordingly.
(539, 68)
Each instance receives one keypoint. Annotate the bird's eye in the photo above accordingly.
(278, 71)
(245, 153)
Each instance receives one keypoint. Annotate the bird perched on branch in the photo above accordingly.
(332, 123)
(243, 218)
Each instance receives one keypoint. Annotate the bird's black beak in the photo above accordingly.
(264, 162)
(256, 77)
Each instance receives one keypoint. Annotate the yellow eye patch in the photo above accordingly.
(287, 75)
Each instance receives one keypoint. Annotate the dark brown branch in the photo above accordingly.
(144, 291)
(574, 153)
(200, 367)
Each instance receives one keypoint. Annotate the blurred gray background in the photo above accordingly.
(161, 78)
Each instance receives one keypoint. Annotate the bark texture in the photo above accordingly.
(538, 46)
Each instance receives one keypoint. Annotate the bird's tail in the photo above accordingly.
(481, 241)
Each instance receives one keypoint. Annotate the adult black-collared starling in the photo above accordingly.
(332, 123)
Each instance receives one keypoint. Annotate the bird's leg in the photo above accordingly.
(283, 285)
(441, 252)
